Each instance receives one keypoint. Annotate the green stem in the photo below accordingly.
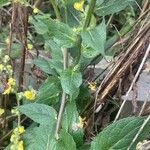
(86, 24)
(89, 14)
(56, 10)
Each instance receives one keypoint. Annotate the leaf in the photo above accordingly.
(83, 98)
(71, 81)
(4, 2)
(43, 137)
(73, 16)
(70, 121)
(54, 49)
(63, 34)
(40, 24)
(40, 113)
(112, 6)
(49, 90)
(65, 142)
(39, 137)
(120, 134)
(95, 40)
(44, 65)
(99, 2)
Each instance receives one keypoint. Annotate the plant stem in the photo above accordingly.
(89, 14)
(86, 24)
(56, 10)
(63, 99)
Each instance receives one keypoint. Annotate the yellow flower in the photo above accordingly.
(12, 147)
(9, 67)
(81, 122)
(1, 67)
(15, 111)
(11, 81)
(30, 95)
(20, 145)
(13, 137)
(7, 90)
(1, 111)
(79, 5)
(21, 129)
(29, 46)
(92, 86)
(35, 10)
(6, 58)
(7, 41)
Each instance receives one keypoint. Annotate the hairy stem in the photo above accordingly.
(63, 99)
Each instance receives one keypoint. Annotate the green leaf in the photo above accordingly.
(63, 34)
(4, 2)
(40, 24)
(43, 137)
(44, 65)
(71, 81)
(112, 6)
(99, 2)
(73, 16)
(70, 121)
(120, 134)
(65, 142)
(49, 90)
(40, 113)
(39, 138)
(54, 49)
(83, 98)
(95, 40)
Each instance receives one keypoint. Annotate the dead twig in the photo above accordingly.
(133, 82)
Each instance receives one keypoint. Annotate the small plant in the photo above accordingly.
(74, 33)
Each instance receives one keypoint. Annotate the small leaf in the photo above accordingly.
(71, 81)
(95, 40)
(112, 6)
(120, 134)
(40, 113)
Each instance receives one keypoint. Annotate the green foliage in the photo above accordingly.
(71, 80)
(4, 2)
(64, 142)
(95, 40)
(120, 134)
(44, 65)
(40, 113)
(60, 32)
(49, 91)
(70, 121)
(75, 39)
(111, 7)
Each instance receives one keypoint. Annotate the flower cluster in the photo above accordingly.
(80, 124)
(92, 86)
(6, 72)
(1, 111)
(16, 142)
(9, 86)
